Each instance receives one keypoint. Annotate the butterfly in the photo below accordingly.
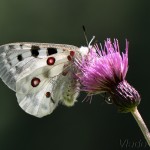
(41, 74)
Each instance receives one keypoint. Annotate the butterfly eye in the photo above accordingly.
(50, 60)
(35, 82)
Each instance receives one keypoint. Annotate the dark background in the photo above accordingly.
(85, 126)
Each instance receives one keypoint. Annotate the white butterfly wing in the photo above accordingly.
(36, 101)
(32, 70)
(17, 59)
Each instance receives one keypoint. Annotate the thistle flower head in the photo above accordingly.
(104, 70)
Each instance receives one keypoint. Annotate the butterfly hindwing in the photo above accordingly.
(34, 94)
(32, 70)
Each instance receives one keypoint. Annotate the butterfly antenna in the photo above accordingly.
(91, 41)
(85, 35)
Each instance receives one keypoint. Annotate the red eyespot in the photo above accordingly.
(72, 53)
(35, 82)
(48, 94)
(50, 60)
(69, 58)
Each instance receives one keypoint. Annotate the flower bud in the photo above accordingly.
(125, 97)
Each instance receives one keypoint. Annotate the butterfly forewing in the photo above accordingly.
(32, 69)
(17, 57)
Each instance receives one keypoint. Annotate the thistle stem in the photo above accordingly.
(141, 124)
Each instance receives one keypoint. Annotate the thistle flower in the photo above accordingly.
(104, 70)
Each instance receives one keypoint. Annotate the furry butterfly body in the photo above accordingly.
(41, 74)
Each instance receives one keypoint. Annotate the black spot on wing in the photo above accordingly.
(51, 51)
(19, 57)
(21, 45)
(35, 50)
(11, 47)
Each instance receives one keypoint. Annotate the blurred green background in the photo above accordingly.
(84, 126)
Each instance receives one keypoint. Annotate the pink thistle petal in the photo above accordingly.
(102, 68)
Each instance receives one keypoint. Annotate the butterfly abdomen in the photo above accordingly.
(70, 93)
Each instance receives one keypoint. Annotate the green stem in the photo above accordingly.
(141, 124)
